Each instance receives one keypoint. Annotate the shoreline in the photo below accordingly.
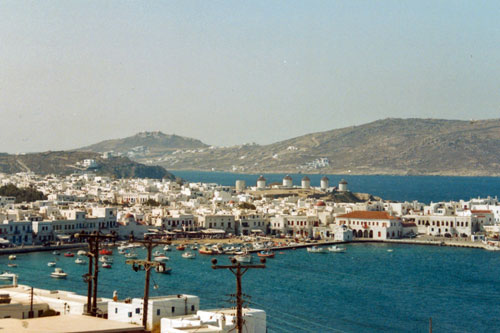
(41, 248)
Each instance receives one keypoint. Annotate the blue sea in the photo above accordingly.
(366, 289)
(398, 188)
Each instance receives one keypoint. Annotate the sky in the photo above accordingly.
(73, 73)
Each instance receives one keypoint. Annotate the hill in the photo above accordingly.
(389, 146)
(146, 144)
(67, 162)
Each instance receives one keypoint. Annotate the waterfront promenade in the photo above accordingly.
(40, 248)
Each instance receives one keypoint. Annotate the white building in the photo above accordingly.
(375, 225)
(130, 310)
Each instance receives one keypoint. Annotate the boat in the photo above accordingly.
(106, 265)
(166, 248)
(181, 247)
(12, 265)
(218, 249)
(266, 254)
(390, 250)
(80, 261)
(106, 252)
(56, 253)
(206, 250)
(69, 254)
(243, 258)
(58, 273)
(122, 251)
(163, 269)
(12, 257)
(316, 249)
(157, 253)
(194, 247)
(51, 263)
(81, 253)
(490, 247)
(161, 258)
(106, 259)
(131, 255)
(188, 255)
(337, 249)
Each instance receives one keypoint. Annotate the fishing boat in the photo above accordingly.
(206, 250)
(246, 258)
(131, 255)
(58, 273)
(266, 254)
(337, 249)
(163, 269)
(161, 258)
(106, 252)
(81, 253)
(12, 257)
(181, 247)
(106, 259)
(106, 265)
(390, 250)
(69, 254)
(316, 249)
(157, 253)
(56, 253)
(12, 265)
(51, 263)
(188, 255)
(79, 261)
(166, 248)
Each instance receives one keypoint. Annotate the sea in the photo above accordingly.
(369, 288)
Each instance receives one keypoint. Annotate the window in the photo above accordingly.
(116, 310)
(192, 307)
(130, 314)
(138, 310)
(173, 309)
(157, 312)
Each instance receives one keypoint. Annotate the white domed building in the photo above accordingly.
(261, 183)
(325, 183)
(287, 181)
(343, 185)
(306, 182)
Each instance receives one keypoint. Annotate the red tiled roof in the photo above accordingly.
(369, 215)
(480, 211)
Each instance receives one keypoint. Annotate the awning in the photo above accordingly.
(213, 231)
(4, 241)
(257, 230)
(63, 237)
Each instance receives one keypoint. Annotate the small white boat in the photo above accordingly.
(12, 265)
(162, 258)
(188, 255)
(157, 253)
(56, 253)
(80, 261)
(337, 249)
(247, 258)
(390, 250)
(82, 253)
(106, 259)
(490, 247)
(58, 273)
(106, 265)
(163, 269)
(167, 248)
(51, 263)
(316, 249)
(131, 255)
(12, 257)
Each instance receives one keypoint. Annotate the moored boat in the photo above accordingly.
(266, 254)
(79, 261)
(12, 265)
(106, 252)
(56, 253)
(181, 247)
(316, 249)
(337, 249)
(131, 255)
(163, 269)
(106, 259)
(81, 253)
(7, 276)
(247, 258)
(58, 273)
(12, 257)
(188, 255)
(206, 250)
(106, 265)
(51, 263)
(166, 248)
(69, 254)
(161, 258)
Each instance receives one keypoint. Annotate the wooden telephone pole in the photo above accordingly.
(147, 264)
(91, 277)
(238, 270)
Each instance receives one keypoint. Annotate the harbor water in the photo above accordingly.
(366, 289)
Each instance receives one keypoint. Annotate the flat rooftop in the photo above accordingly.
(66, 323)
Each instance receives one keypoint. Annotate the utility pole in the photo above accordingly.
(93, 240)
(146, 265)
(238, 270)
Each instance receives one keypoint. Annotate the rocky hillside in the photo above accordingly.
(146, 145)
(389, 146)
(64, 163)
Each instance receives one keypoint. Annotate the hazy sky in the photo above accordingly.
(74, 73)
